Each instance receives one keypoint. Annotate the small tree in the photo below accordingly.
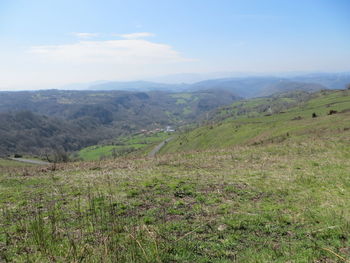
(114, 153)
(56, 156)
(61, 156)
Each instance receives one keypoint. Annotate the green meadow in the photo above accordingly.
(259, 128)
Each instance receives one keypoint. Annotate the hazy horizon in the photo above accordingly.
(180, 78)
(52, 44)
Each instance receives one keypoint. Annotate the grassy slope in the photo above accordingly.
(277, 201)
(242, 131)
(252, 107)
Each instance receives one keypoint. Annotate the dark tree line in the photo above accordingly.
(64, 121)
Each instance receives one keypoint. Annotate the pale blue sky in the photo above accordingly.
(47, 43)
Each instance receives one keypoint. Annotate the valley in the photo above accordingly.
(154, 131)
(51, 121)
(260, 180)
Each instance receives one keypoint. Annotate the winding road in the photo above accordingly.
(158, 147)
(29, 161)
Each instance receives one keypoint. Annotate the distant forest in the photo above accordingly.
(40, 122)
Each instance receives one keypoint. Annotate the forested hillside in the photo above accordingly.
(33, 121)
(26, 132)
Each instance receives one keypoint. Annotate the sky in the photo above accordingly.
(45, 44)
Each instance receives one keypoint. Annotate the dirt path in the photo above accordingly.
(29, 161)
(158, 147)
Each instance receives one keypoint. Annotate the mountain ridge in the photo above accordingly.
(247, 86)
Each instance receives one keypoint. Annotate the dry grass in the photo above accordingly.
(273, 202)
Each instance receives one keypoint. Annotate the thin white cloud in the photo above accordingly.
(137, 35)
(85, 35)
(90, 60)
(117, 52)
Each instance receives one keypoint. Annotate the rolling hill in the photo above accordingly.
(244, 189)
(265, 120)
(257, 86)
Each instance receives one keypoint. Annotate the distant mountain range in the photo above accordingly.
(247, 87)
